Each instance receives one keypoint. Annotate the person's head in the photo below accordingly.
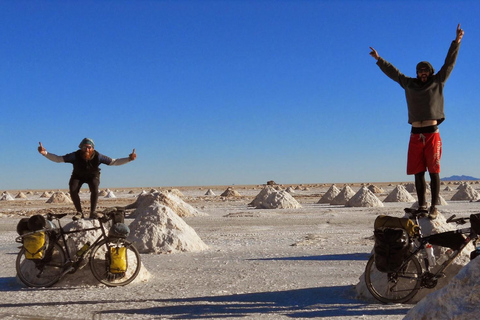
(424, 71)
(87, 146)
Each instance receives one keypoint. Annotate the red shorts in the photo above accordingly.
(424, 152)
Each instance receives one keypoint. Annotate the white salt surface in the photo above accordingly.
(260, 264)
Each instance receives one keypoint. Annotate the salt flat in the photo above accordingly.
(261, 264)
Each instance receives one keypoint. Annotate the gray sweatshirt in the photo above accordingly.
(424, 100)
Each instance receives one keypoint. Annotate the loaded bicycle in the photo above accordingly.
(400, 283)
(45, 257)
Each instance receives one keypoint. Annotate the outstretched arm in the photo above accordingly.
(120, 161)
(49, 156)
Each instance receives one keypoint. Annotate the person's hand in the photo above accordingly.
(460, 33)
(374, 53)
(41, 149)
(132, 156)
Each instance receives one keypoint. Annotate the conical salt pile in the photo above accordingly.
(230, 192)
(209, 192)
(110, 194)
(465, 192)
(428, 227)
(261, 198)
(180, 207)
(59, 197)
(21, 195)
(375, 189)
(102, 193)
(399, 194)
(157, 229)
(6, 197)
(459, 299)
(410, 187)
(176, 192)
(46, 194)
(448, 188)
(342, 198)
(364, 198)
(270, 198)
(290, 190)
(332, 192)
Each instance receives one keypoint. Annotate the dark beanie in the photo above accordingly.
(425, 64)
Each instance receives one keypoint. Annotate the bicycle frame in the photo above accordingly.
(62, 235)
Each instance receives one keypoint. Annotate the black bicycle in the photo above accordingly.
(113, 260)
(403, 284)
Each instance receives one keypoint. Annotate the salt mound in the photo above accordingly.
(46, 194)
(176, 192)
(261, 198)
(270, 198)
(410, 187)
(448, 188)
(170, 200)
(21, 195)
(110, 194)
(230, 192)
(332, 192)
(375, 189)
(459, 299)
(290, 190)
(364, 198)
(466, 192)
(84, 276)
(59, 197)
(342, 198)
(399, 194)
(157, 229)
(429, 227)
(209, 192)
(102, 193)
(6, 197)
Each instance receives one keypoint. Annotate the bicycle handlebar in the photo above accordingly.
(457, 220)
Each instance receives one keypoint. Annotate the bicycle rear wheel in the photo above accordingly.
(395, 287)
(41, 273)
(101, 262)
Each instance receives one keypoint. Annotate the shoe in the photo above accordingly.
(433, 213)
(77, 216)
(95, 215)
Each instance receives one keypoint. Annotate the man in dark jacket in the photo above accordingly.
(86, 161)
(424, 95)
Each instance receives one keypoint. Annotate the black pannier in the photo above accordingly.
(475, 222)
(449, 239)
(391, 248)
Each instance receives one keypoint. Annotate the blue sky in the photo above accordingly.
(228, 92)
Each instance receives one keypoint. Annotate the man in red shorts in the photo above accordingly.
(424, 95)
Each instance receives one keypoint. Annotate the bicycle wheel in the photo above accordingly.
(41, 273)
(101, 262)
(395, 287)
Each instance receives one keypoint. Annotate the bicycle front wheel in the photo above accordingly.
(41, 273)
(106, 270)
(395, 287)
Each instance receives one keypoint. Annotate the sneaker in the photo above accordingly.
(77, 216)
(433, 213)
(95, 215)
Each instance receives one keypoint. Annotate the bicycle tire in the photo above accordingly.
(41, 273)
(395, 287)
(100, 264)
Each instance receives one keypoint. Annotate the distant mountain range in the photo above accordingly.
(459, 178)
